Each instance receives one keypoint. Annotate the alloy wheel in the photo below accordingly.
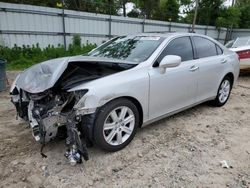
(224, 91)
(119, 125)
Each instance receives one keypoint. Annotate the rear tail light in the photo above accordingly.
(244, 54)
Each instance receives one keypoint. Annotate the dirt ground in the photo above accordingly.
(184, 150)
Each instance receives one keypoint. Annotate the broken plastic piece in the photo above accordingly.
(224, 164)
(73, 156)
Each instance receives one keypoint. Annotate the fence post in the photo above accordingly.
(143, 24)
(63, 23)
(226, 37)
(206, 30)
(110, 20)
(110, 26)
(231, 32)
(170, 22)
(218, 38)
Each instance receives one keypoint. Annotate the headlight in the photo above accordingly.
(80, 104)
(79, 94)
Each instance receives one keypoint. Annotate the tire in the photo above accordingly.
(226, 83)
(119, 131)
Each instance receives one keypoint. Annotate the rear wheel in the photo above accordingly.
(116, 125)
(223, 92)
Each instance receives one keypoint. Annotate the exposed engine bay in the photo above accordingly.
(40, 95)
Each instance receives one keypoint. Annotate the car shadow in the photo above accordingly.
(160, 124)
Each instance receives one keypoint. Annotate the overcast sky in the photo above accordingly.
(228, 3)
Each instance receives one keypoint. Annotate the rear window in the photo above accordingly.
(204, 47)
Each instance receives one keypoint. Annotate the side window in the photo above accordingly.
(181, 46)
(219, 50)
(204, 47)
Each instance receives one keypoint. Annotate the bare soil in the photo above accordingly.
(183, 150)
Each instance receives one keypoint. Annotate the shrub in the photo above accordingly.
(19, 58)
(20, 64)
(77, 40)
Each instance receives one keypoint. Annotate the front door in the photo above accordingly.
(177, 87)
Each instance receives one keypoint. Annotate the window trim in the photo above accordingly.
(217, 46)
(156, 61)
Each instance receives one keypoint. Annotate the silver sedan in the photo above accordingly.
(103, 97)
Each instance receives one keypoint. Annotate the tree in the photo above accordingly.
(172, 10)
(244, 6)
(160, 9)
(134, 13)
(167, 10)
(195, 14)
(229, 17)
(47, 3)
(147, 7)
(97, 6)
(210, 12)
(123, 3)
(207, 12)
(241, 3)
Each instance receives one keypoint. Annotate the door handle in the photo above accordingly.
(223, 61)
(193, 68)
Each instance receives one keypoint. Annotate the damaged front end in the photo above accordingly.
(41, 96)
(52, 115)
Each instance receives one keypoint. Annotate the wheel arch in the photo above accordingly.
(138, 106)
(98, 137)
(136, 103)
(88, 121)
(216, 102)
(231, 76)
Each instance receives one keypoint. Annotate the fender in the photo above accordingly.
(99, 91)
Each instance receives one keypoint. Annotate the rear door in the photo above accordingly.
(211, 62)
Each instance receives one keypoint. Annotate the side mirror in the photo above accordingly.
(170, 61)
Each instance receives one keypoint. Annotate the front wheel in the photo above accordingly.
(116, 124)
(223, 92)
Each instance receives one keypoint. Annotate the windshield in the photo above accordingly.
(135, 49)
(241, 41)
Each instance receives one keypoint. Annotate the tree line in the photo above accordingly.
(209, 12)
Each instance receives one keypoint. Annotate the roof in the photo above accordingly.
(165, 34)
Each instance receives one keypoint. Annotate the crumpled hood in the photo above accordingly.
(42, 76)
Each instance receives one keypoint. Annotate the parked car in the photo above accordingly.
(241, 46)
(127, 82)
